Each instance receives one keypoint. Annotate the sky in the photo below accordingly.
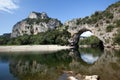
(89, 58)
(13, 11)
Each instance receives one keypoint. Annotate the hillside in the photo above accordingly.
(103, 24)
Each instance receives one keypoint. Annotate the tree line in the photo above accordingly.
(48, 37)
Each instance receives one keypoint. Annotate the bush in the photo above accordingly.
(89, 41)
(109, 28)
(4, 39)
(117, 38)
(114, 5)
(117, 23)
(96, 17)
(37, 21)
(108, 15)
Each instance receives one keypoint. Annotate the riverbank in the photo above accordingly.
(32, 48)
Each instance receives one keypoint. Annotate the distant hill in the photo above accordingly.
(8, 35)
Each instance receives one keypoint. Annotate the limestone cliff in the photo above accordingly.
(103, 24)
(34, 24)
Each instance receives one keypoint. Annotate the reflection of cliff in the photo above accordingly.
(33, 71)
(26, 67)
(39, 67)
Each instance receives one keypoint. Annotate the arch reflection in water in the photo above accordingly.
(89, 58)
(90, 55)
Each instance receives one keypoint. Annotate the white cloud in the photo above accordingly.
(8, 5)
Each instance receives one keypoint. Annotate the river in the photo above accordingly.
(50, 65)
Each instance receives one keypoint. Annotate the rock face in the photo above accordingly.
(101, 24)
(71, 75)
(85, 77)
(34, 24)
(36, 15)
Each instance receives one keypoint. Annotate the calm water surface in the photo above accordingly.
(49, 65)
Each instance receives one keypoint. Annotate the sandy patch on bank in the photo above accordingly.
(33, 48)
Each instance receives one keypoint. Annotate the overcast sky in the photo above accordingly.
(12, 11)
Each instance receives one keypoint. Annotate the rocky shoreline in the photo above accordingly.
(77, 76)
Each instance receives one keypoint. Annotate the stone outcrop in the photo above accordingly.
(83, 77)
(71, 75)
(35, 15)
(34, 24)
(101, 24)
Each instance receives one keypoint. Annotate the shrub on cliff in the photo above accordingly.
(109, 28)
(117, 38)
(117, 22)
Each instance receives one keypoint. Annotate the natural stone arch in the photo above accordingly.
(103, 24)
(77, 30)
(76, 37)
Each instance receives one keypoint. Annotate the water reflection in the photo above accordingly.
(4, 72)
(50, 66)
(107, 65)
(43, 67)
(89, 58)
(90, 55)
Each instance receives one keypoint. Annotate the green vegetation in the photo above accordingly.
(49, 37)
(117, 23)
(95, 17)
(37, 21)
(108, 15)
(94, 51)
(109, 28)
(3, 40)
(93, 40)
(114, 5)
(117, 37)
(107, 40)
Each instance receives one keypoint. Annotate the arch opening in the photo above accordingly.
(86, 38)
